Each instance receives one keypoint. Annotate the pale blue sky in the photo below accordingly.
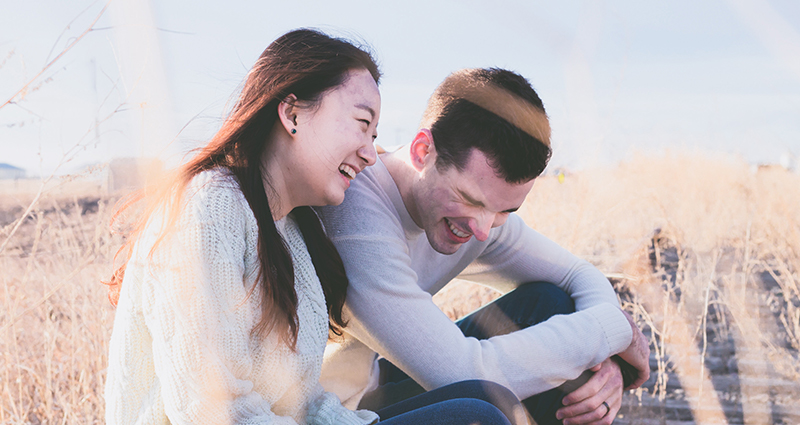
(614, 75)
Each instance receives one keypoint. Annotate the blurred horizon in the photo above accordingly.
(152, 79)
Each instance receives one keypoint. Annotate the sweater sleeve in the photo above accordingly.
(327, 409)
(516, 254)
(193, 300)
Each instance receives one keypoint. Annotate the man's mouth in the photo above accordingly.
(348, 171)
(455, 230)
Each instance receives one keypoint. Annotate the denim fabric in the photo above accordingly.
(467, 402)
(459, 411)
(525, 306)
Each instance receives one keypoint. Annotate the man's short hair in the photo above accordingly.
(495, 111)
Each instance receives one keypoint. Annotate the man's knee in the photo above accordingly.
(529, 304)
(484, 390)
(493, 393)
(470, 411)
(536, 302)
(548, 297)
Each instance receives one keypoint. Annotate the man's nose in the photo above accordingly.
(481, 225)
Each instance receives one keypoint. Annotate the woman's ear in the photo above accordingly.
(287, 113)
(422, 149)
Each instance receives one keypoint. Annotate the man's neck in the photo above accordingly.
(398, 163)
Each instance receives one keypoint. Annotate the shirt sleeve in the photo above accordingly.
(394, 317)
(194, 306)
(516, 254)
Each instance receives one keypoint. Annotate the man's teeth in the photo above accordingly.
(455, 231)
(347, 171)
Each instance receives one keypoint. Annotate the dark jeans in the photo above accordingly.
(463, 403)
(527, 305)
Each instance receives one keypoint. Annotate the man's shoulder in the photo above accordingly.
(369, 208)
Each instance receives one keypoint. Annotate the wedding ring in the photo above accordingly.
(608, 409)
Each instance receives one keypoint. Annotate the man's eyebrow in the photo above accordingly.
(477, 203)
(366, 108)
(470, 199)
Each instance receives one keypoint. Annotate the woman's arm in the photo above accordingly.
(195, 306)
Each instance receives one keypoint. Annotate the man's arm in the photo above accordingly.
(515, 254)
(389, 313)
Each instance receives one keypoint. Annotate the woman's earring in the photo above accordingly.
(294, 131)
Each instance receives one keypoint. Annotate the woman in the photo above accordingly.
(224, 302)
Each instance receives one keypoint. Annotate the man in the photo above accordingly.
(442, 207)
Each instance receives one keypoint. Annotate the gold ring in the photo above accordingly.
(608, 409)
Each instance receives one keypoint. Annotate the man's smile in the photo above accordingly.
(456, 231)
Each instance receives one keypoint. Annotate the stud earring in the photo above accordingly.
(294, 131)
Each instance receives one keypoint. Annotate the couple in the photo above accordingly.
(231, 285)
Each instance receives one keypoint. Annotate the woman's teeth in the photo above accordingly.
(455, 231)
(347, 171)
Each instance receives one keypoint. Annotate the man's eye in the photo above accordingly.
(365, 122)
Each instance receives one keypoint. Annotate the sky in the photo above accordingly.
(154, 78)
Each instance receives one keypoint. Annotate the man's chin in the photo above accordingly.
(444, 247)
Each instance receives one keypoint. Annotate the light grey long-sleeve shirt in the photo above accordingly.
(394, 272)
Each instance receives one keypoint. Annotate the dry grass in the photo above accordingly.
(54, 317)
(703, 250)
(728, 227)
(729, 242)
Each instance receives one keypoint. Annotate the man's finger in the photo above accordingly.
(602, 414)
(606, 371)
(641, 379)
(590, 404)
(587, 390)
(584, 402)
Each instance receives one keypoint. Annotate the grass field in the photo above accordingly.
(704, 251)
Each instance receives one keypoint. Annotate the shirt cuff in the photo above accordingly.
(615, 326)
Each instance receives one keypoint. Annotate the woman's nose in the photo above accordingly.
(368, 154)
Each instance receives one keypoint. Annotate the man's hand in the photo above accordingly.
(637, 354)
(585, 404)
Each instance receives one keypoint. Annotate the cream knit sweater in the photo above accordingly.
(182, 350)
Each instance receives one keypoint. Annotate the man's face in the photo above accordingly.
(452, 206)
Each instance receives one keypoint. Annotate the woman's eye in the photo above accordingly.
(365, 122)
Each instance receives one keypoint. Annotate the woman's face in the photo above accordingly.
(336, 138)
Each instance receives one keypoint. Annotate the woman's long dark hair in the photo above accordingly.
(305, 63)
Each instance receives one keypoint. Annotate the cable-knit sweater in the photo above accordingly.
(182, 349)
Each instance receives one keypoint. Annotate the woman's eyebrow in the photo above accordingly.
(366, 108)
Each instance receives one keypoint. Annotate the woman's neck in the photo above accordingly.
(276, 166)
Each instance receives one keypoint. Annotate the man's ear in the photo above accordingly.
(287, 113)
(422, 149)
